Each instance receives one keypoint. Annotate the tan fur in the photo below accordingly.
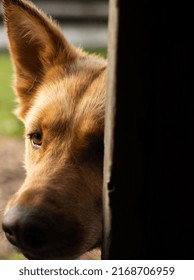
(61, 94)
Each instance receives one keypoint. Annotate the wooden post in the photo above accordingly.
(149, 166)
(109, 124)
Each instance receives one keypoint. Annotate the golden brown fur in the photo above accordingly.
(61, 94)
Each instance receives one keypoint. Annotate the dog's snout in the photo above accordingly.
(10, 226)
(26, 229)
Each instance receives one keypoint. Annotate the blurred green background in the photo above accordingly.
(9, 125)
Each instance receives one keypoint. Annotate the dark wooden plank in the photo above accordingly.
(152, 171)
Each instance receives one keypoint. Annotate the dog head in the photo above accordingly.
(57, 212)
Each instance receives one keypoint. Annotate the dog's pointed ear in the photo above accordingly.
(35, 44)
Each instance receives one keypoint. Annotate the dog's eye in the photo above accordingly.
(36, 139)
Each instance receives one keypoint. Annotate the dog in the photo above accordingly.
(57, 212)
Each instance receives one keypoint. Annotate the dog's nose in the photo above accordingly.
(26, 229)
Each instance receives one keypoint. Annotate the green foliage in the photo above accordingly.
(16, 256)
(102, 52)
(9, 125)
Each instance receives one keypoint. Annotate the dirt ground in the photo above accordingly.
(11, 176)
